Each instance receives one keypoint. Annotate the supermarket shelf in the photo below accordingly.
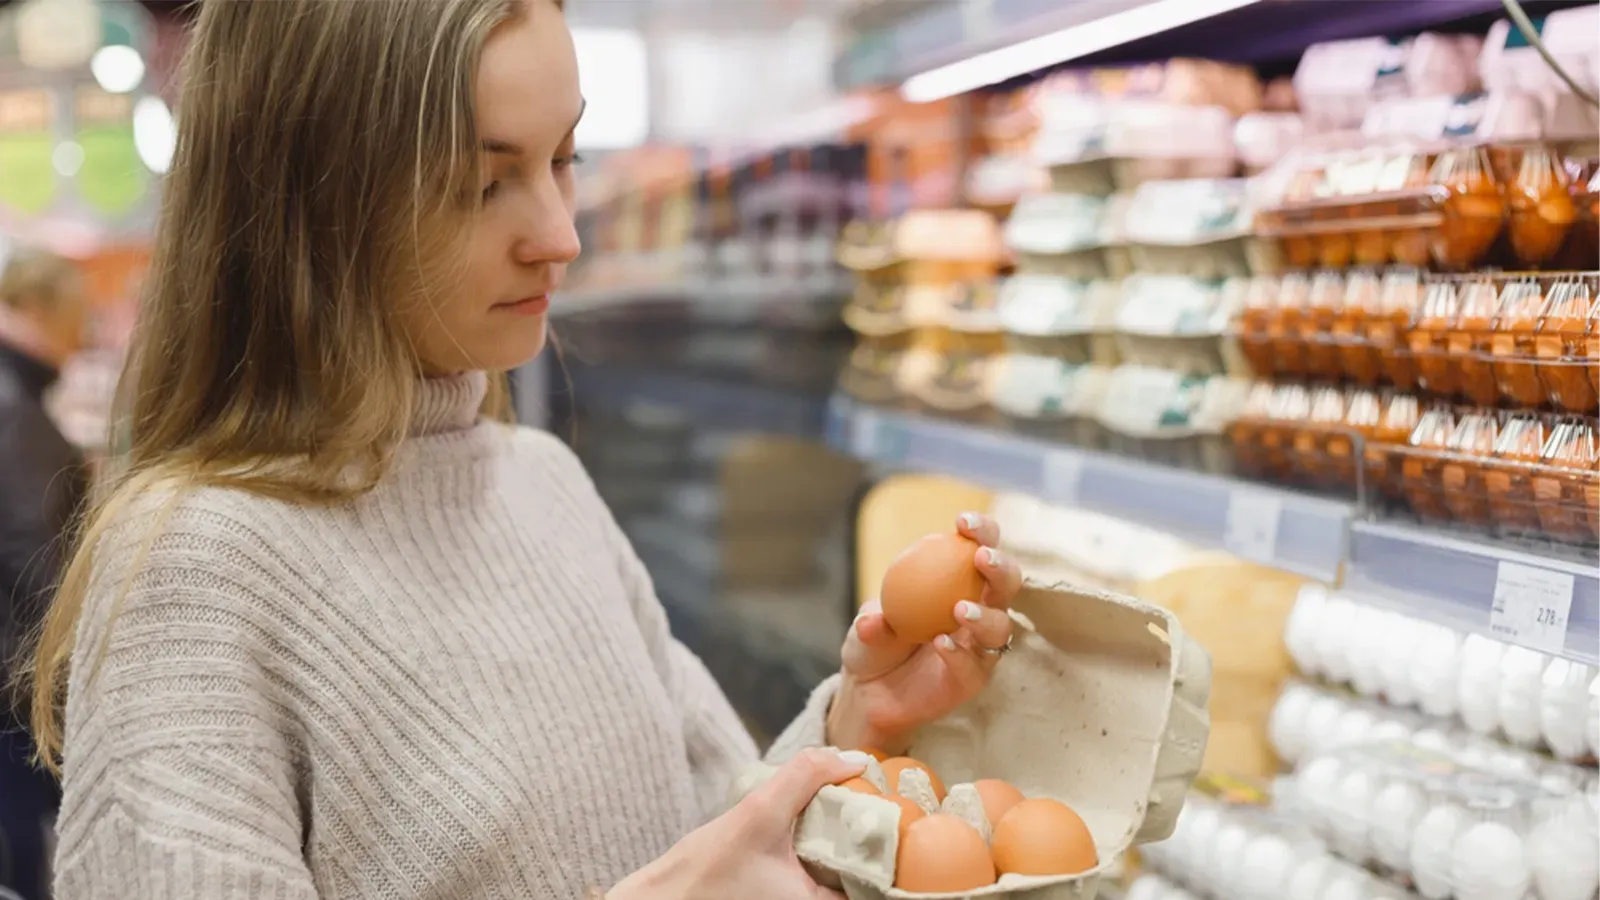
(706, 402)
(729, 297)
(1534, 600)
(1260, 32)
(1282, 529)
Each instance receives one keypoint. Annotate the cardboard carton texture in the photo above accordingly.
(1101, 705)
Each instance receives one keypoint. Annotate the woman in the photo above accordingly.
(332, 636)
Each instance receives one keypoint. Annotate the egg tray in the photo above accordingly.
(1101, 704)
(1450, 829)
(1505, 497)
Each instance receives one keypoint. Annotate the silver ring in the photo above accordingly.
(1000, 651)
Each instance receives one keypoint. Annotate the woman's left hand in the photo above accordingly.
(890, 686)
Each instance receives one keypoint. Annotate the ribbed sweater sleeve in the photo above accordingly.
(179, 757)
(717, 742)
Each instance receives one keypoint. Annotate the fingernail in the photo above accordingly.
(992, 556)
(855, 757)
(944, 642)
(971, 520)
(968, 610)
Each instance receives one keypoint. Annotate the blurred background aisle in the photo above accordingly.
(1281, 313)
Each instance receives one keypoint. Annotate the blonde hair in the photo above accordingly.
(324, 148)
(37, 280)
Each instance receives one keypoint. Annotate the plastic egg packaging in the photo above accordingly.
(1565, 710)
(1478, 683)
(1521, 684)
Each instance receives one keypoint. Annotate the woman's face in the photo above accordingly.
(518, 244)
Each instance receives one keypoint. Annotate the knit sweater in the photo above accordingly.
(460, 685)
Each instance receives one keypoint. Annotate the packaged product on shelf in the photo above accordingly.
(1567, 363)
(1582, 249)
(1047, 315)
(1101, 145)
(1066, 235)
(1508, 475)
(1422, 461)
(1101, 782)
(1166, 416)
(1381, 459)
(1564, 483)
(1338, 82)
(1438, 372)
(1174, 321)
(1260, 139)
(1006, 171)
(1195, 227)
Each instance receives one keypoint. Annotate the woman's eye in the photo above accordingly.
(568, 161)
(490, 191)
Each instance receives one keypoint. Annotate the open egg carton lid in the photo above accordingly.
(1101, 705)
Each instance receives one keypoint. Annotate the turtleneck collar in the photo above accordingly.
(448, 404)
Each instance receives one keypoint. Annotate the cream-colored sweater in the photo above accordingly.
(459, 686)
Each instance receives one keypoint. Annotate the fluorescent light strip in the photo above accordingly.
(1067, 44)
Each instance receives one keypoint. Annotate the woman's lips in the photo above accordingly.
(527, 306)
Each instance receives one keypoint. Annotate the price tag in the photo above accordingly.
(1531, 607)
(1251, 532)
(1063, 472)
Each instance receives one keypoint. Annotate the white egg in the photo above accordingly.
(1478, 684)
(1310, 878)
(1286, 727)
(1226, 852)
(1300, 633)
(1488, 863)
(1396, 811)
(1204, 823)
(1366, 650)
(1432, 850)
(1399, 648)
(1564, 708)
(1335, 639)
(1349, 886)
(1354, 727)
(1435, 670)
(1317, 791)
(1147, 887)
(1433, 740)
(1562, 853)
(1352, 816)
(1511, 762)
(1322, 723)
(1521, 683)
(1265, 868)
(1389, 730)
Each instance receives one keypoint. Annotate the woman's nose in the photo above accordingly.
(550, 233)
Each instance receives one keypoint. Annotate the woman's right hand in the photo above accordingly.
(748, 852)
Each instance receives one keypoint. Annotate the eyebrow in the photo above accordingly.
(506, 148)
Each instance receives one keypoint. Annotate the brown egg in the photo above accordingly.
(861, 786)
(909, 812)
(998, 797)
(1043, 837)
(924, 584)
(940, 854)
(893, 767)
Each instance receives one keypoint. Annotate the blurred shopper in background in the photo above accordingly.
(332, 631)
(42, 312)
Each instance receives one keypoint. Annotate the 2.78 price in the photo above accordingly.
(1548, 616)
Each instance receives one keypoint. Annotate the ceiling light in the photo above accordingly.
(118, 68)
(1062, 46)
(155, 135)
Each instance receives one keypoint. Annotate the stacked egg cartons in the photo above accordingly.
(1454, 764)
(1115, 315)
(923, 310)
(1458, 394)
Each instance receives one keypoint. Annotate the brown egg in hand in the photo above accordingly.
(909, 812)
(1043, 837)
(893, 767)
(940, 854)
(998, 797)
(925, 582)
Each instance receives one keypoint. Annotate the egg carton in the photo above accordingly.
(1100, 705)
(1449, 829)
(1520, 696)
